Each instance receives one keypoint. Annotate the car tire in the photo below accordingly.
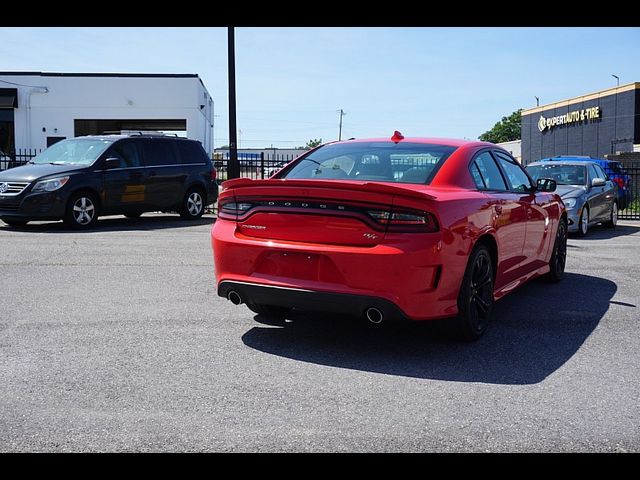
(14, 223)
(82, 211)
(272, 311)
(613, 216)
(583, 221)
(558, 260)
(192, 205)
(475, 300)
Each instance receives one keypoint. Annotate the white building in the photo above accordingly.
(514, 147)
(37, 109)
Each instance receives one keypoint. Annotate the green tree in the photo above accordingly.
(505, 130)
(313, 143)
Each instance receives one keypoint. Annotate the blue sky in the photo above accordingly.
(431, 81)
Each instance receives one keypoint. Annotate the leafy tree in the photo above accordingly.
(505, 130)
(313, 143)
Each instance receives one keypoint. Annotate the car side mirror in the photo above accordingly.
(546, 185)
(598, 182)
(112, 162)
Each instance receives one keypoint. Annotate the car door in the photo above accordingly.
(123, 186)
(610, 192)
(165, 173)
(597, 196)
(509, 216)
(535, 204)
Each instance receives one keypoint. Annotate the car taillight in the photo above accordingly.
(404, 220)
(230, 209)
(214, 174)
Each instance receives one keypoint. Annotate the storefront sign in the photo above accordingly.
(569, 118)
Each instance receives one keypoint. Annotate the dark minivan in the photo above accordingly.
(78, 179)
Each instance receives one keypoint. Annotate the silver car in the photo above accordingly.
(586, 190)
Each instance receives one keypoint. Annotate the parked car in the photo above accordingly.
(590, 197)
(79, 179)
(417, 229)
(614, 170)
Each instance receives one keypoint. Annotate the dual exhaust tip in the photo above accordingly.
(372, 314)
(234, 297)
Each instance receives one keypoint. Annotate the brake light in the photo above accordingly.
(214, 174)
(404, 220)
(230, 209)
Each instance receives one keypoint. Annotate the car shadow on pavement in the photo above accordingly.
(535, 331)
(115, 223)
(600, 232)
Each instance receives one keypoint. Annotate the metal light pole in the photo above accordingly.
(617, 79)
(233, 170)
(342, 114)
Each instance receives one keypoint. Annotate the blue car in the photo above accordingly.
(613, 169)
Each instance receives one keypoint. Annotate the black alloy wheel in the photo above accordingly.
(558, 259)
(475, 300)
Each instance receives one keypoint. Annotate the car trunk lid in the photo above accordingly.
(313, 211)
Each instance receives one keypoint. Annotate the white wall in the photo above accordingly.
(104, 98)
(514, 147)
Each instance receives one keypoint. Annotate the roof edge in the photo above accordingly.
(583, 98)
(102, 74)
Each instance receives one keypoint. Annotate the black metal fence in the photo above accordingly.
(260, 166)
(255, 166)
(632, 212)
(17, 158)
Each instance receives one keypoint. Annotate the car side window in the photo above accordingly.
(191, 152)
(601, 172)
(486, 173)
(517, 177)
(159, 152)
(592, 173)
(127, 152)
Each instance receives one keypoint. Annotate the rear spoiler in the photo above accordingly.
(376, 187)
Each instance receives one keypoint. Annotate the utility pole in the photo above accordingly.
(342, 114)
(234, 167)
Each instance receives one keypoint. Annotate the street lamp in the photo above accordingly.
(617, 79)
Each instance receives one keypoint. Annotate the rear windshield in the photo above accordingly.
(375, 161)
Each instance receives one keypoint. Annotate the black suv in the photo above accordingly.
(78, 179)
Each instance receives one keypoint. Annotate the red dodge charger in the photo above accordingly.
(399, 228)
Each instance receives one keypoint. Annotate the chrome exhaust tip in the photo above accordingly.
(374, 315)
(234, 297)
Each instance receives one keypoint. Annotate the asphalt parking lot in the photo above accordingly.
(114, 340)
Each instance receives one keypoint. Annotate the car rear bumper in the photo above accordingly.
(410, 276)
(311, 300)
